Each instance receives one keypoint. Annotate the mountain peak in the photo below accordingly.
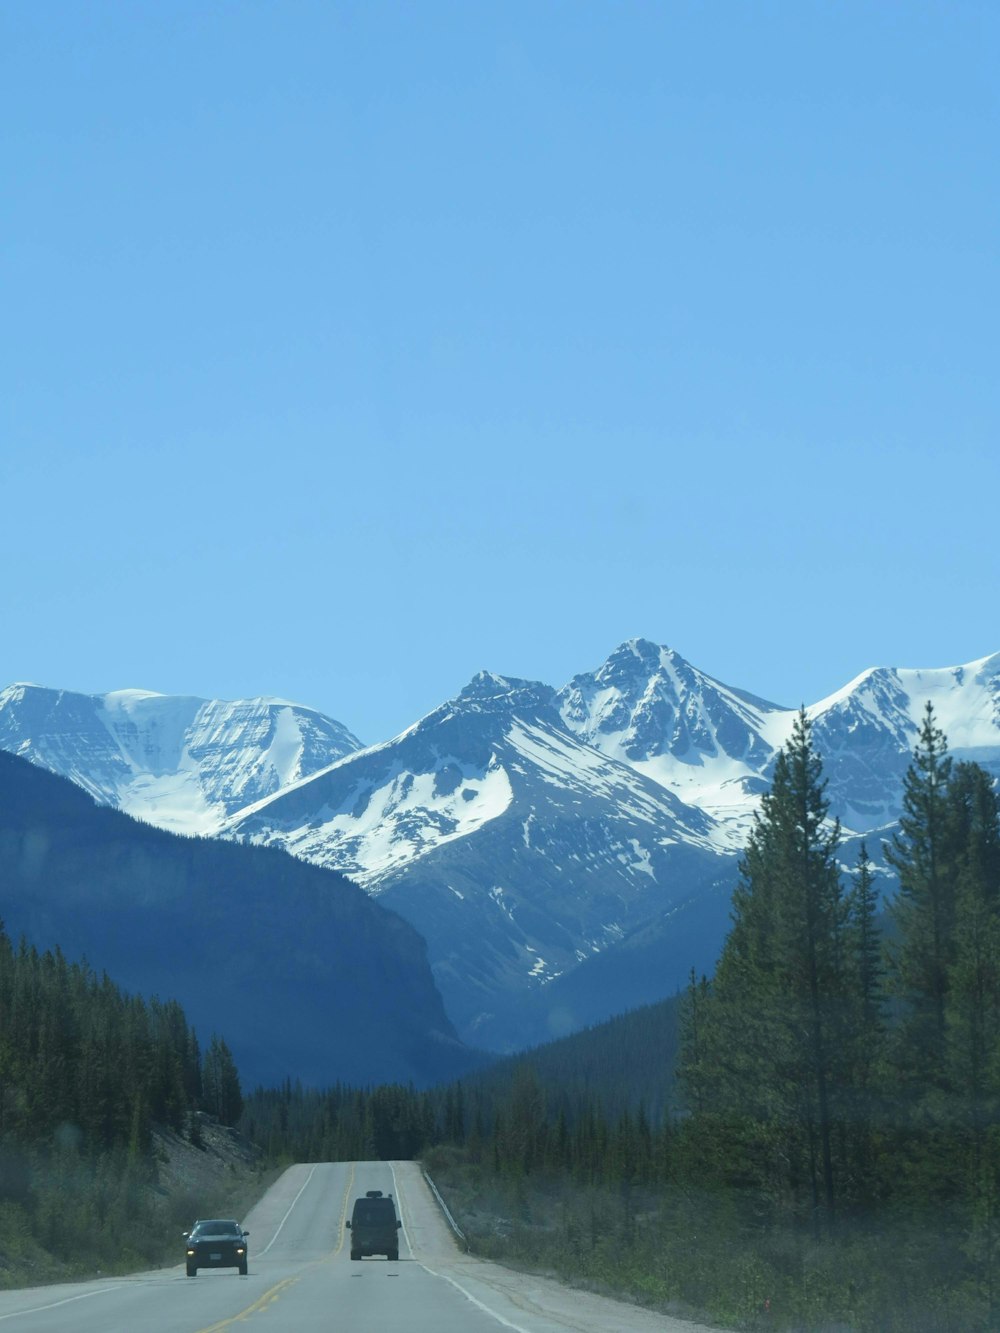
(650, 655)
(487, 688)
(488, 683)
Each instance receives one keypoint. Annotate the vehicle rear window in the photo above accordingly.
(217, 1229)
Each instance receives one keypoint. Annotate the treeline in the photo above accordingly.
(608, 1065)
(339, 1124)
(514, 1125)
(86, 1072)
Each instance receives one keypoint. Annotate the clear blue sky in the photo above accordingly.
(350, 348)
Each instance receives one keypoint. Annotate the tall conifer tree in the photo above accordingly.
(973, 1017)
(924, 908)
(772, 1030)
(866, 1024)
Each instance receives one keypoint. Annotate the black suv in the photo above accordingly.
(373, 1226)
(218, 1243)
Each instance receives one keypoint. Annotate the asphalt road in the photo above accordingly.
(302, 1278)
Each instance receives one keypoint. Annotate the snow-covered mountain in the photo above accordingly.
(867, 731)
(181, 763)
(714, 746)
(708, 743)
(521, 828)
(516, 849)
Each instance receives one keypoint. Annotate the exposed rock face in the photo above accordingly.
(647, 701)
(714, 746)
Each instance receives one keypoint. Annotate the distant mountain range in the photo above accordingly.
(565, 852)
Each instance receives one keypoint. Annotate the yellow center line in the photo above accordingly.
(343, 1213)
(271, 1295)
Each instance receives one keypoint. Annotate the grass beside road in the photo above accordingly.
(699, 1258)
(67, 1220)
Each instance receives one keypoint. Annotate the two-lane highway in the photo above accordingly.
(302, 1278)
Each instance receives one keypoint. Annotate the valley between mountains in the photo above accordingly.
(566, 853)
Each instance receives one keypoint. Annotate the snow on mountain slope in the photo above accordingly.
(445, 777)
(714, 746)
(372, 817)
(513, 847)
(867, 731)
(708, 743)
(180, 763)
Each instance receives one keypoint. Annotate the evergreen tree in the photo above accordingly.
(693, 1053)
(772, 1064)
(866, 1025)
(924, 909)
(221, 1093)
(973, 1017)
(973, 1009)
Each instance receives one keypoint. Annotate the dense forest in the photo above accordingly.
(87, 1073)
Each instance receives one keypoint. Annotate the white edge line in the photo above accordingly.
(399, 1200)
(288, 1214)
(469, 1297)
(37, 1309)
(457, 1285)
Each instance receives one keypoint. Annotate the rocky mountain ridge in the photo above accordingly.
(178, 762)
(523, 829)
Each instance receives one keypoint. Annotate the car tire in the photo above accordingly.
(393, 1256)
(243, 1270)
(355, 1254)
(192, 1270)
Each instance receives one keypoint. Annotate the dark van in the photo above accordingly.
(373, 1226)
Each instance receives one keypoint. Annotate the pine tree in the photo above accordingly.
(221, 1091)
(924, 909)
(866, 1024)
(973, 1016)
(973, 1009)
(693, 1055)
(771, 1039)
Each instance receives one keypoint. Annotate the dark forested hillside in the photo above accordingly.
(305, 974)
(624, 1064)
(89, 1076)
(80, 1058)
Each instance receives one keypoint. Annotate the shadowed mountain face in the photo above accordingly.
(299, 970)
